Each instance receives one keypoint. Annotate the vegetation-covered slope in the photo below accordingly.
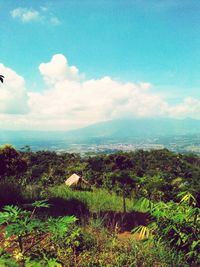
(158, 191)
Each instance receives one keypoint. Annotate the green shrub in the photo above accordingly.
(178, 224)
(24, 226)
(10, 193)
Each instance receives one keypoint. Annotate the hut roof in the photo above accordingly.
(74, 179)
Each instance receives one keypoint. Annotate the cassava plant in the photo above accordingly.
(24, 232)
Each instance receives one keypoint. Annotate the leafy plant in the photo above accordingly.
(26, 231)
(177, 223)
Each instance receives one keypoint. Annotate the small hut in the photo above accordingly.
(75, 180)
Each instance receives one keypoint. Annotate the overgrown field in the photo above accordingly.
(96, 200)
(140, 209)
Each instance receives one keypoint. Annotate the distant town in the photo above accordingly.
(181, 144)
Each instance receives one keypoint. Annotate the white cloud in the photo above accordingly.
(70, 102)
(58, 70)
(145, 86)
(190, 107)
(25, 15)
(13, 95)
(55, 21)
(29, 15)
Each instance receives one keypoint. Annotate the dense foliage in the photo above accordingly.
(158, 174)
(178, 223)
(164, 186)
(12, 162)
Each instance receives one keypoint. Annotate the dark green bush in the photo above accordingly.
(10, 193)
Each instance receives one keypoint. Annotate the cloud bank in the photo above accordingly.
(69, 101)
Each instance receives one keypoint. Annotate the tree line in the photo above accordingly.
(156, 174)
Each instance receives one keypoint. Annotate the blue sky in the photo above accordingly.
(155, 42)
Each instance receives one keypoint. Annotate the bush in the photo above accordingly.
(178, 224)
(26, 236)
(10, 193)
(62, 207)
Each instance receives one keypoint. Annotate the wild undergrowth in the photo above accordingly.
(97, 200)
(176, 223)
(38, 233)
(29, 242)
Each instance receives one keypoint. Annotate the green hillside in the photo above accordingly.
(136, 209)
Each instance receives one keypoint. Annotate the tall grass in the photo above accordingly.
(32, 193)
(97, 200)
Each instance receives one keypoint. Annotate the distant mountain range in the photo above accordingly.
(123, 130)
(127, 129)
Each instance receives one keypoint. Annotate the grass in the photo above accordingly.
(104, 248)
(92, 243)
(95, 246)
(97, 200)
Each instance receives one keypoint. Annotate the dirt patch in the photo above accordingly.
(124, 236)
(124, 222)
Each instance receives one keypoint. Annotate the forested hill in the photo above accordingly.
(173, 170)
(160, 173)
